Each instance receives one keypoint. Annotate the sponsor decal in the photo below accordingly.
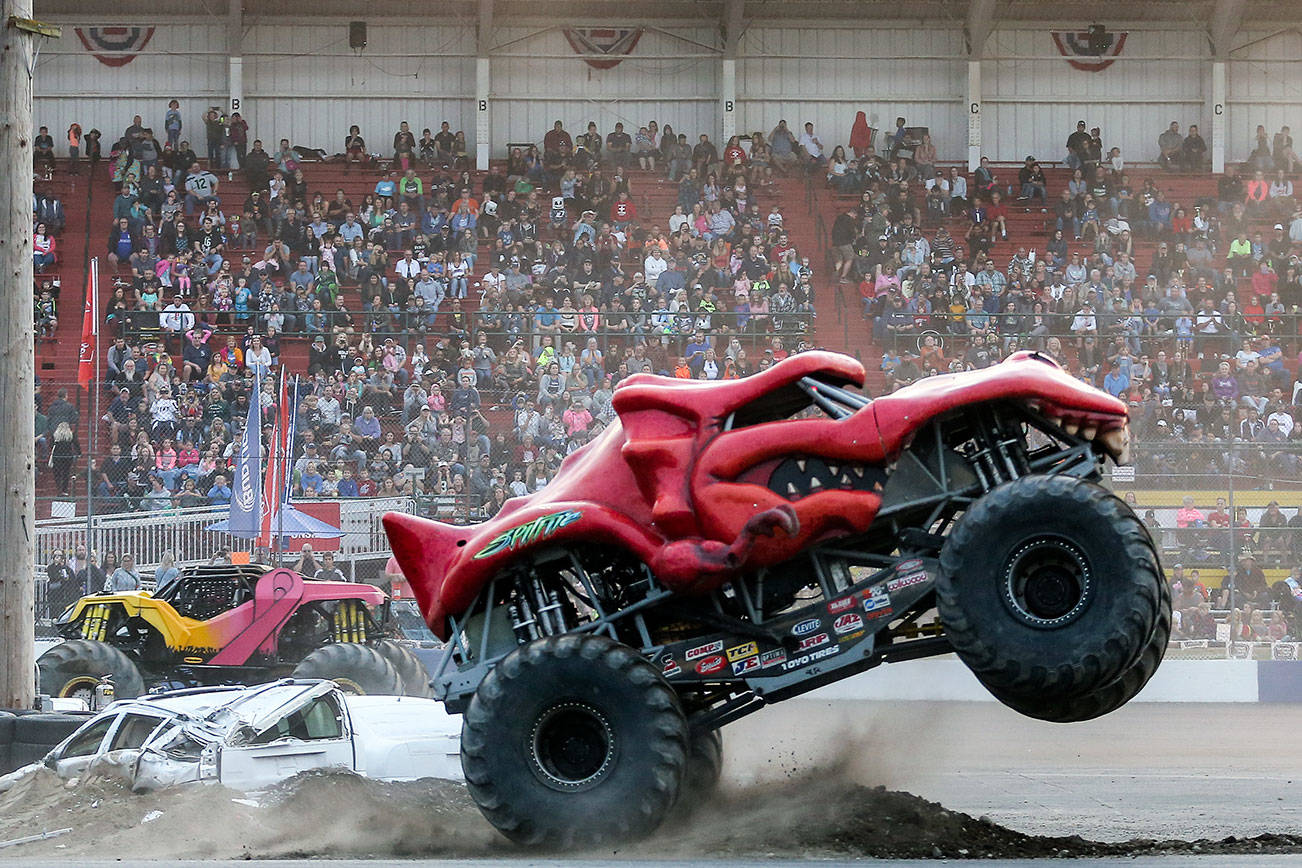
(806, 659)
(876, 600)
(750, 649)
(748, 665)
(905, 581)
(804, 628)
(845, 604)
(539, 528)
(704, 650)
(853, 637)
(813, 642)
(772, 658)
(710, 665)
(847, 623)
(912, 565)
(671, 668)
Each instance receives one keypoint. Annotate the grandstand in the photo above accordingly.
(809, 246)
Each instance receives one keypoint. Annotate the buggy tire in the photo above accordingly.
(415, 677)
(75, 666)
(1049, 588)
(574, 741)
(357, 669)
(1109, 698)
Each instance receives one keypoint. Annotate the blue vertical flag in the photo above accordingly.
(246, 489)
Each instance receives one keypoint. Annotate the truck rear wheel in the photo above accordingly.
(357, 669)
(73, 668)
(574, 740)
(1049, 588)
(415, 678)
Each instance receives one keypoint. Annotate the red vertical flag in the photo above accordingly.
(86, 359)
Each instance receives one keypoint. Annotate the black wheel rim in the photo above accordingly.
(1048, 582)
(573, 746)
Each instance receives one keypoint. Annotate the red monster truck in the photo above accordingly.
(728, 544)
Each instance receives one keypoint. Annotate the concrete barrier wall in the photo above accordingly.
(947, 679)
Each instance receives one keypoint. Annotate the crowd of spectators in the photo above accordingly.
(1187, 310)
(495, 314)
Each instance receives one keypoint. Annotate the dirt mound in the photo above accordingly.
(340, 814)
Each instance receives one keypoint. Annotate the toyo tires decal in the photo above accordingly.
(531, 531)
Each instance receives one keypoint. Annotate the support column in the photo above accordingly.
(235, 51)
(980, 23)
(974, 107)
(731, 29)
(483, 116)
(1218, 116)
(728, 100)
(483, 86)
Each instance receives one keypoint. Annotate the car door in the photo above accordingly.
(310, 736)
(73, 756)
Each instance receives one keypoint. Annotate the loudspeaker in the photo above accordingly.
(356, 34)
(1099, 39)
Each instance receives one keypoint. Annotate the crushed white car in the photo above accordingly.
(251, 738)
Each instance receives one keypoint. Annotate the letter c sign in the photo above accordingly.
(975, 108)
(1218, 109)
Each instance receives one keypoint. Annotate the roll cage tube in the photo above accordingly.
(837, 402)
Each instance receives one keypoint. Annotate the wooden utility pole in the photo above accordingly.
(17, 390)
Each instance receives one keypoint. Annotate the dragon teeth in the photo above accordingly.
(800, 464)
(815, 482)
(792, 491)
(835, 469)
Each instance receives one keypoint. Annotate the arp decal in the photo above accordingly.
(540, 528)
(741, 667)
(710, 665)
(804, 628)
(813, 642)
(843, 605)
(704, 650)
(738, 652)
(848, 623)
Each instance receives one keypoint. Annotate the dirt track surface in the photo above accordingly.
(801, 781)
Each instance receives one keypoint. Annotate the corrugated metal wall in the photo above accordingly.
(826, 75)
(1264, 86)
(1031, 106)
(187, 62)
(304, 82)
(537, 81)
(301, 81)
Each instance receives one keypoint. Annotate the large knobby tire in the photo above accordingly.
(573, 741)
(73, 668)
(1049, 588)
(357, 669)
(701, 777)
(1109, 698)
(415, 677)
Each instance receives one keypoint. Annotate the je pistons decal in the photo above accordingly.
(540, 528)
